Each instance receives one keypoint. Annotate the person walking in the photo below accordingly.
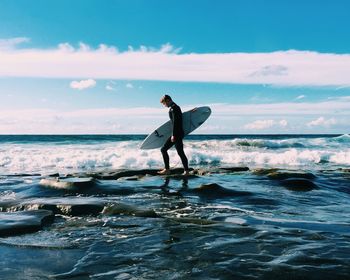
(175, 116)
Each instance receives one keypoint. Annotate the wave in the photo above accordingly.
(270, 144)
(345, 138)
(300, 142)
(288, 158)
(67, 158)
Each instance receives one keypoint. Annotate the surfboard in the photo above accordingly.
(191, 120)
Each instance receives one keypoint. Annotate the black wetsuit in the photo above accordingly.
(175, 116)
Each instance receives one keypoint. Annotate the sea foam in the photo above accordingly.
(298, 152)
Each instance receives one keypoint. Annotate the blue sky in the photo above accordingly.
(101, 66)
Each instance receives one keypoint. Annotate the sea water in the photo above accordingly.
(253, 224)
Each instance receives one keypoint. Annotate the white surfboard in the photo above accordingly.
(190, 121)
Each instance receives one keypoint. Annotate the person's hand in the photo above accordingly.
(172, 139)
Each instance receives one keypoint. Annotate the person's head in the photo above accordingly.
(166, 100)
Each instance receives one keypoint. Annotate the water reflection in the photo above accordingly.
(168, 190)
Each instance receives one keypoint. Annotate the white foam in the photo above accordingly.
(341, 157)
(42, 158)
(7, 195)
(286, 157)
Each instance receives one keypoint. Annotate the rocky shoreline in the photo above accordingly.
(30, 215)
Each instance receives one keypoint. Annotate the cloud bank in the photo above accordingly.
(292, 67)
(321, 121)
(9, 44)
(264, 124)
(226, 118)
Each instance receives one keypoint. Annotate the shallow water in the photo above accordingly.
(255, 224)
(250, 227)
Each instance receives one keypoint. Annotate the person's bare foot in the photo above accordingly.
(164, 172)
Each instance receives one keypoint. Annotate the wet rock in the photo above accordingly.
(54, 175)
(347, 170)
(233, 169)
(138, 174)
(15, 223)
(299, 184)
(132, 178)
(125, 209)
(286, 175)
(7, 204)
(68, 183)
(345, 173)
(264, 171)
(177, 172)
(24, 175)
(114, 175)
(202, 172)
(216, 191)
(64, 206)
(80, 209)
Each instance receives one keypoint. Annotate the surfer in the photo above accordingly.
(175, 115)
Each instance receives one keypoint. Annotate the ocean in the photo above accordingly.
(254, 207)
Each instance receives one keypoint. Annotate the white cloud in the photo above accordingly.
(321, 121)
(224, 119)
(65, 47)
(104, 120)
(104, 48)
(168, 48)
(264, 124)
(84, 47)
(129, 85)
(343, 87)
(291, 67)
(117, 112)
(283, 123)
(271, 70)
(260, 124)
(339, 106)
(341, 98)
(83, 84)
(8, 44)
(111, 86)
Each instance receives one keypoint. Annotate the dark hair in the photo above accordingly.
(164, 98)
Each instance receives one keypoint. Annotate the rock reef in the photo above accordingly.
(27, 215)
(14, 223)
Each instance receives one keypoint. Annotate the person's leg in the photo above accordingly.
(168, 144)
(180, 151)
